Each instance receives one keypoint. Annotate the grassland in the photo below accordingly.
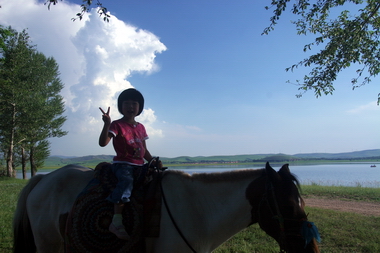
(9, 190)
(340, 231)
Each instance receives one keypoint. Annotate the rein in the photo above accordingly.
(173, 221)
(168, 209)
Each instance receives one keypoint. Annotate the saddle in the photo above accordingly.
(88, 221)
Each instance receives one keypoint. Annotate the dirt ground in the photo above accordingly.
(364, 208)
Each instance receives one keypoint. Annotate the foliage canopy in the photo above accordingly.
(351, 37)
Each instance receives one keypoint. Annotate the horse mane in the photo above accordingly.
(234, 175)
(291, 178)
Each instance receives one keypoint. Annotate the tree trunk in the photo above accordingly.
(33, 168)
(10, 171)
(23, 163)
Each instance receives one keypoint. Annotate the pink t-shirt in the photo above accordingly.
(128, 141)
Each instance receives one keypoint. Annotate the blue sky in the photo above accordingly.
(213, 85)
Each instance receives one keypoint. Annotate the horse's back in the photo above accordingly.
(52, 197)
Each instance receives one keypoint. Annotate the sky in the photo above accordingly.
(213, 85)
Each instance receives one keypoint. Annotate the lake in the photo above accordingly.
(342, 174)
(347, 174)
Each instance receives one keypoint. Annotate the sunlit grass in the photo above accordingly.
(368, 184)
(343, 192)
(340, 232)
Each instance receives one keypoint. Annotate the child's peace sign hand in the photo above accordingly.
(106, 116)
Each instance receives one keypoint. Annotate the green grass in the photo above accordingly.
(9, 190)
(340, 231)
(357, 193)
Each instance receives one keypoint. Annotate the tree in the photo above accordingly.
(350, 38)
(30, 104)
(85, 7)
(4, 35)
(43, 116)
(38, 152)
(12, 77)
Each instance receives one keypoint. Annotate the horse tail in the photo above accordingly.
(22, 232)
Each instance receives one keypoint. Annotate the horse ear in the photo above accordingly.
(271, 173)
(284, 170)
(268, 167)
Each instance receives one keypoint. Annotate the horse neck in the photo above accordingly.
(214, 205)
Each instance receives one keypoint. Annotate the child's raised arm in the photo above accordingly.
(105, 137)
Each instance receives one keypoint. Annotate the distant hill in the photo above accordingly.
(365, 154)
(93, 160)
(349, 155)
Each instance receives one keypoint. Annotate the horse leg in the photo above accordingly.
(62, 223)
(45, 230)
(149, 244)
(23, 236)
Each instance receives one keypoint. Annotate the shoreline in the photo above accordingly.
(260, 164)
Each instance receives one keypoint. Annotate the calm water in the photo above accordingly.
(350, 174)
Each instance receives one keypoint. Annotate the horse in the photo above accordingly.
(201, 210)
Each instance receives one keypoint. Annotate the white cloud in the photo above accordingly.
(371, 106)
(95, 59)
(148, 118)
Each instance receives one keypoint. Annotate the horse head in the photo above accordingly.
(279, 209)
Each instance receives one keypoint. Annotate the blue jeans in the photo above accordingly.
(124, 186)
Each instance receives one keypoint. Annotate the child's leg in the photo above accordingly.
(117, 219)
(121, 194)
(118, 207)
(124, 186)
(116, 225)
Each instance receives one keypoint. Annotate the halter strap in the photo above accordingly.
(277, 214)
(307, 230)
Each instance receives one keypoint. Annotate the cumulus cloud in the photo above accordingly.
(111, 51)
(147, 118)
(96, 58)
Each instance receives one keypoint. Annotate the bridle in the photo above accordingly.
(269, 199)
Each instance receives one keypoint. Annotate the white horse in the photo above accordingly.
(207, 209)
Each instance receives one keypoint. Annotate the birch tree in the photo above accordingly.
(30, 104)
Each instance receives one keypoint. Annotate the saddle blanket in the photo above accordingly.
(87, 223)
